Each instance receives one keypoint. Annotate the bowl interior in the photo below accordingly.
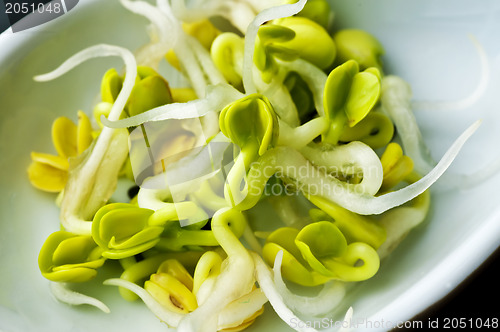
(426, 42)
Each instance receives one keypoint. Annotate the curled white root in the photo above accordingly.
(65, 295)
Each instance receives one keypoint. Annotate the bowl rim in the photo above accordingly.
(437, 283)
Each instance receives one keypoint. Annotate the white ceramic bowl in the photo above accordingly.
(426, 43)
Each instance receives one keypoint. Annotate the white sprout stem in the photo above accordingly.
(170, 318)
(65, 295)
(73, 223)
(326, 301)
(232, 189)
(190, 15)
(395, 98)
(349, 159)
(165, 22)
(348, 319)
(473, 97)
(190, 110)
(154, 199)
(251, 35)
(285, 159)
(260, 5)
(398, 222)
(314, 77)
(235, 280)
(265, 279)
(166, 31)
(183, 52)
(216, 98)
(191, 66)
(240, 14)
(96, 51)
(89, 187)
(280, 98)
(153, 15)
(236, 312)
(252, 240)
(150, 55)
(205, 61)
(196, 170)
(206, 197)
(232, 315)
(163, 5)
(184, 55)
(301, 136)
(377, 205)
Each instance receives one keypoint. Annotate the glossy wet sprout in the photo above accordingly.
(281, 162)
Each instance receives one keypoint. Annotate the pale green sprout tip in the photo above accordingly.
(358, 45)
(349, 96)
(227, 53)
(178, 238)
(143, 269)
(318, 11)
(268, 48)
(207, 269)
(252, 125)
(325, 249)
(318, 305)
(397, 166)
(376, 130)
(235, 279)
(101, 109)
(262, 17)
(172, 287)
(68, 257)
(111, 84)
(295, 267)
(289, 38)
(318, 240)
(93, 177)
(311, 43)
(319, 253)
(355, 227)
(150, 90)
(122, 230)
